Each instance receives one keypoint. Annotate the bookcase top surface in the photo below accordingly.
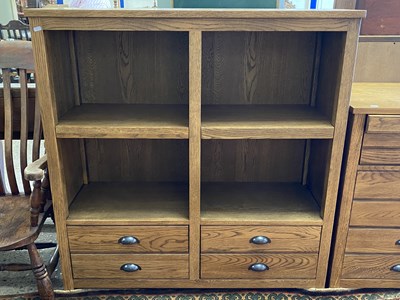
(196, 13)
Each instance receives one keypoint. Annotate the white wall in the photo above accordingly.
(8, 11)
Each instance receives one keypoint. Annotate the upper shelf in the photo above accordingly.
(264, 121)
(125, 121)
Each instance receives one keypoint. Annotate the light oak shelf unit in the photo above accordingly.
(187, 122)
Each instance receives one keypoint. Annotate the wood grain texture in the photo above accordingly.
(195, 58)
(377, 185)
(375, 98)
(370, 266)
(130, 203)
(258, 203)
(381, 19)
(369, 283)
(16, 54)
(373, 240)
(380, 156)
(383, 123)
(105, 239)
(378, 168)
(384, 140)
(236, 239)
(236, 266)
(375, 213)
(345, 198)
(153, 266)
(125, 121)
(142, 67)
(378, 61)
(252, 160)
(137, 160)
(261, 122)
(242, 68)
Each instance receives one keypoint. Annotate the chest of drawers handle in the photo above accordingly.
(128, 240)
(260, 240)
(397, 243)
(395, 268)
(259, 267)
(130, 268)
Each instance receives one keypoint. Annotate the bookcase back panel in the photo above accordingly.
(252, 160)
(133, 67)
(137, 160)
(257, 67)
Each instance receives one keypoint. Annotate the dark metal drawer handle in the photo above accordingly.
(395, 268)
(397, 243)
(128, 240)
(130, 268)
(260, 240)
(259, 267)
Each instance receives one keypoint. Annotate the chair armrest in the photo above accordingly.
(35, 170)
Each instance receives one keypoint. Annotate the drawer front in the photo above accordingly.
(236, 266)
(383, 123)
(371, 266)
(377, 156)
(375, 213)
(152, 266)
(377, 185)
(138, 239)
(382, 140)
(260, 239)
(373, 240)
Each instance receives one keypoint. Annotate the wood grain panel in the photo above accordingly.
(377, 185)
(380, 156)
(153, 266)
(137, 160)
(142, 67)
(375, 213)
(369, 283)
(162, 239)
(244, 67)
(237, 239)
(373, 240)
(384, 140)
(252, 160)
(235, 266)
(370, 266)
(383, 123)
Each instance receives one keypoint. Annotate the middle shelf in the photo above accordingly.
(170, 121)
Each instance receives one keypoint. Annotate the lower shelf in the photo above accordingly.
(258, 203)
(128, 203)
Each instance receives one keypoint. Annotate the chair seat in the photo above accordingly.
(15, 226)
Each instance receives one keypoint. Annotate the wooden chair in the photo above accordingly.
(24, 212)
(15, 30)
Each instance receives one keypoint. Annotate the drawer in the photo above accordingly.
(371, 266)
(152, 266)
(381, 140)
(236, 266)
(373, 240)
(270, 238)
(375, 213)
(383, 123)
(377, 185)
(380, 156)
(148, 239)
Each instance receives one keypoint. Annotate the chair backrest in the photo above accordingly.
(15, 30)
(21, 114)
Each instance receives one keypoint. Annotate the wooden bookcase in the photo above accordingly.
(189, 133)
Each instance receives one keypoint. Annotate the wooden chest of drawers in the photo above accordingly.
(367, 238)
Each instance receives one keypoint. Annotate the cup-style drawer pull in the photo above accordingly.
(260, 240)
(397, 243)
(130, 268)
(395, 268)
(128, 240)
(259, 267)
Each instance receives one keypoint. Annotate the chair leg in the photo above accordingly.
(44, 285)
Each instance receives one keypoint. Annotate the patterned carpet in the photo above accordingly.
(261, 294)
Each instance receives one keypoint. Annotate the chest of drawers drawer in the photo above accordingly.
(383, 123)
(246, 266)
(128, 239)
(375, 213)
(377, 185)
(256, 239)
(131, 266)
(371, 266)
(373, 240)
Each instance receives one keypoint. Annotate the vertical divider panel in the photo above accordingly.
(195, 53)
